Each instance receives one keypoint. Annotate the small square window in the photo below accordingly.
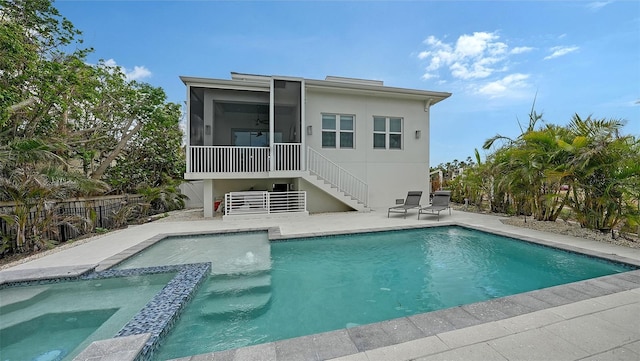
(346, 140)
(328, 122)
(338, 131)
(387, 133)
(346, 122)
(395, 125)
(379, 141)
(328, 139)
(395, 141)
(379, 124)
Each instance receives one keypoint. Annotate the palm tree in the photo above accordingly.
(604, 170)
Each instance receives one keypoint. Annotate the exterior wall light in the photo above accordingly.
(418, 134)
(309, 129)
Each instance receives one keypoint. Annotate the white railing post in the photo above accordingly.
(267, 194)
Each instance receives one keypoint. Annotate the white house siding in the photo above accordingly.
(194, 190)
(389, 173)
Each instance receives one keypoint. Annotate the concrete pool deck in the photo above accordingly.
(589, 320)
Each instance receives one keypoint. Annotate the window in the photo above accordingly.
(337, 130)
(387, 133)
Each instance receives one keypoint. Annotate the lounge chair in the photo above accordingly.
(412, 201)
(440, 202)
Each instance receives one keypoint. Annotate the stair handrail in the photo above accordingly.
(337, 176)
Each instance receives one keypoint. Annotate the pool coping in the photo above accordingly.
(345, 342)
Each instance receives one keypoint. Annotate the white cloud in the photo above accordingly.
(110, 63)
(504, 86)
(474, 45)
(427, 76)
(137, 73)
(558, 51)
(480, 62)
(471, 56)
(597, 5)
(521, 49)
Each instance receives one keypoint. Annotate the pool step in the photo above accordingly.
(237, 283)
(238, 294)
(22, 297)
(227, 305)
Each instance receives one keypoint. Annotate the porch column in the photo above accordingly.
(272, 122)
(208, 198)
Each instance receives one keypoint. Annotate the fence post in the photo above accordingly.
(63, 227)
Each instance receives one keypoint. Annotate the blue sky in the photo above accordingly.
(496, 57)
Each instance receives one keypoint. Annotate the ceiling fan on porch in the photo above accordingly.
(258, 120)
(261, 121)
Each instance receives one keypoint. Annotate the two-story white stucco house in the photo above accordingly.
(343, 143)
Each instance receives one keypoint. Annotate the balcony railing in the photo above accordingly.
(229, 159)
(262, 202)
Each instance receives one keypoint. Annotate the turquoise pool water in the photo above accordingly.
(228, 253)
(57, 321)
(328, 283)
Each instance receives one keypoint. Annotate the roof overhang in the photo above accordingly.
(377, 90)
(250, 85)
(262, 83)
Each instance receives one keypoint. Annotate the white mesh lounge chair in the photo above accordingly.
(440, 202)
(412, 201)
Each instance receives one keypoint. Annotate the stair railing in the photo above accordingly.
(326, 169)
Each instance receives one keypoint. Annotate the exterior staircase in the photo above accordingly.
(232, 294)
(336, 181)
(335, 192)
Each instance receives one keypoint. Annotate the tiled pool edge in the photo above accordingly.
(43, 276)
(141, 336)
(159, 315)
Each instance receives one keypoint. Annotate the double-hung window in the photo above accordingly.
(387, 133)
(337, 130)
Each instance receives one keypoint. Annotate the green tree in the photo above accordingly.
(64, 123)
(604, 170)
(154, 155)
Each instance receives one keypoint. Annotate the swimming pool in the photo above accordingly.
(328, 283)
(56, 321)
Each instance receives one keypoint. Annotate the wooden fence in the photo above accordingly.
(70, 215)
